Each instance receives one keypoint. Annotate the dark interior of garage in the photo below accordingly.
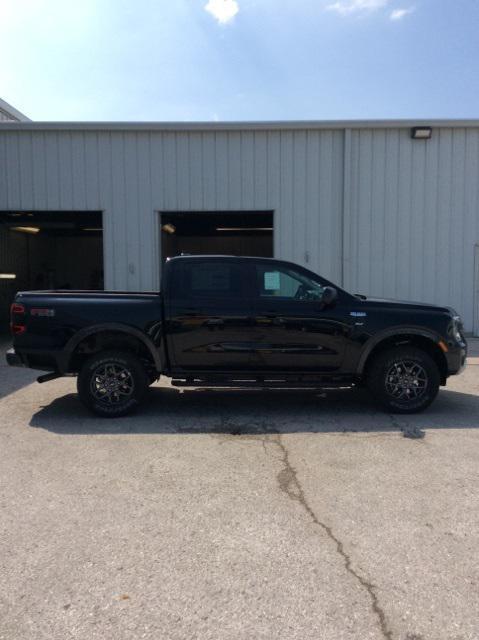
(49, 250)
(241, 233)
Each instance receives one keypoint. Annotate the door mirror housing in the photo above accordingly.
(329, 297)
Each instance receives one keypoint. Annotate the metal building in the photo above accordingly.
(10, 114)
(363, 203)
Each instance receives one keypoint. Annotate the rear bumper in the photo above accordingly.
(14, 359)
(40, 360)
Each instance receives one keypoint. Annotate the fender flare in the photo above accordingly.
(392, 333)
(75, 340)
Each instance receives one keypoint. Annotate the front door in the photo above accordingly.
(292, 329)
(210, 321)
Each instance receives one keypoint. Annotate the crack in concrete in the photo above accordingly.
(289, 483)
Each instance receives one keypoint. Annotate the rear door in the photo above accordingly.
(209, 325)
(292, 330)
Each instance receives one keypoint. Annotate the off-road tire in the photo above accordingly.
(404, 379)
(112, 383)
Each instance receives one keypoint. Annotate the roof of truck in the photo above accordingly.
(218, 255)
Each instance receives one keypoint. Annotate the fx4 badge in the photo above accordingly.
(42, 313)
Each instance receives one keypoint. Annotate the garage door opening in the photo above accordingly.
(49, 250)
(239, 233)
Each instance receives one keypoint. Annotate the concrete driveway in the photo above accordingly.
(234, 515)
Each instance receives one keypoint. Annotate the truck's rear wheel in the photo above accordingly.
(404, 379)
(112, 383)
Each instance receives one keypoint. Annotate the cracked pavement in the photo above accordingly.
(218, 515)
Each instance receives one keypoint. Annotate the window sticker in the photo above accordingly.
(271, 281)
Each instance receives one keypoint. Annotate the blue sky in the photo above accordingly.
(240, 59)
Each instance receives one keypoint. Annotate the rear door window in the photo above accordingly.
(213, 279)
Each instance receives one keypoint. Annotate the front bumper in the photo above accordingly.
(456, 359)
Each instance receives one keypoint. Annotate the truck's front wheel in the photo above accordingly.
(112, 383)
(404, 379)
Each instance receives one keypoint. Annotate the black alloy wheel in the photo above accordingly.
(112, 383)
(404, 379)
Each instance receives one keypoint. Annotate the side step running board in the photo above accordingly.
(263, 384)
(49, 376)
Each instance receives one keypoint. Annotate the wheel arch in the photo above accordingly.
(112, 333)
(422, 339)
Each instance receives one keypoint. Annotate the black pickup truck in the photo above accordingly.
(230, 322)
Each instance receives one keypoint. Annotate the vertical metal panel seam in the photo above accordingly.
(371, 221)
(385, 211)
(98, 186)
(155, 263)
(436, 226)
(464, 217)
(397, 221)
(17, 142)
(450, 221)
(113, 266)
(215, 168)
(60, 199)
(202, 148)
(45, 172)
(3, 167)
(139, 212)
(241, 177)
(254, 169)
(423, 216)
(305, 199)
(85, 170)
(411, 217)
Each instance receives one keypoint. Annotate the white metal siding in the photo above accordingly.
(414, 216)
(131, 176)
(368, 206)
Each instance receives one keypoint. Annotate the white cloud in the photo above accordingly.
(398, 14)
(222, 10)
(346, 7)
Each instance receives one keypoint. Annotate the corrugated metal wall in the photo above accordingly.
(133, 175)
(413, 216)
(371, 207)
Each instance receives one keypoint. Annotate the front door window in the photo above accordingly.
(283, 283)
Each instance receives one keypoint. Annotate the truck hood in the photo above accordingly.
(404, 304)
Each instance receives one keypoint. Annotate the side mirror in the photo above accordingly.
(329, 296)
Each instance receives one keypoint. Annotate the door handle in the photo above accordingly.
(215, 322)
(276, 320)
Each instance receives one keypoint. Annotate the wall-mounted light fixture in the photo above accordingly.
(421, 133)
(32, 230)
(8, 276)
(169, 228)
